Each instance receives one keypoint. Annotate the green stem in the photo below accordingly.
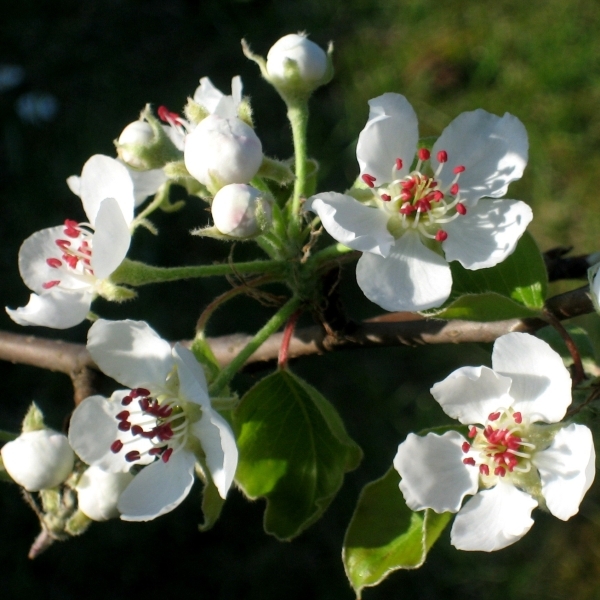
(298, 117)
(159, 198)
(136, 273)
(274, 323)
(329, 253)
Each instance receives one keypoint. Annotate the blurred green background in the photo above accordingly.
(101, 61)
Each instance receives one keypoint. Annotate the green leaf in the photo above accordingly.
(522, 278)
(294, 451)
(384, 535)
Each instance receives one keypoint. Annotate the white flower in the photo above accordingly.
(98, 493)
(222, 150)
(238, 210)
(296, 49)
(164, 422)
(514, 459)
(217, 103)
(413, 213)
(67, 266)
(38, 460)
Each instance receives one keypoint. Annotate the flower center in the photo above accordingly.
(159, 422)
(500, 447)
(75, 260)
(418, 200)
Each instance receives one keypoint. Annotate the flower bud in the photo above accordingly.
(98, 492)
(241, 210)
(38, 460)
(220, 151)
(295, 52)
(136, 133)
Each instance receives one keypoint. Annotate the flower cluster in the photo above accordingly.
(516, 453)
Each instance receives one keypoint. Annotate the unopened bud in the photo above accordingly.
(241, 211)
(136, 133)
(220, 151)
(295, 55)
(98, 493)
(38, 460)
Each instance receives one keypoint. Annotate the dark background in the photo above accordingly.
(103, 61)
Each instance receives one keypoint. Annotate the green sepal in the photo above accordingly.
(78, 523)
(212, 503)
(204, 355)
(178, 173)
(34, 419)
(294, 451)
(115, 293)
(195, 112)
(384, 535)
(276, 170)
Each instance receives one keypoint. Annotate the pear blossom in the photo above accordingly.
(516, 455)
(38, 460)
(296, 49)
(239, 210)
(164, 423)
(68, 266)
(98, 493)
(216, 102)
(418, 212)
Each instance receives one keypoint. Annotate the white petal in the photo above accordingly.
(130, 352)
(98, 493)
(192, 381)
(56, 308)
(470, 394)
(493, 519)
(145, 183)
(391, 132)
(567, 469)
(158, 488)
(207, 95)
(541, 385)
(353, 224)
(74, 183)
(218, 443)
(111, 239)
(493, 149)
(433, 473)
(93, 429)
(487, 234)
(410, 278)
(594, 280)
(105, 177)
(34, 269)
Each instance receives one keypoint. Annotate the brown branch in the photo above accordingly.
(391, 329)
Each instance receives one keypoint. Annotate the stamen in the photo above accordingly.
(386, 197)
(473, 431)
(133, 456)
(454, 189)
(469, 461)
(499, 471)
(116, 446)
(442, 156)
(399, 164)
(124, 426)
(423, 154)
(441, 236)
(459, 169)
(369, 180)
(123, 415)
(461, 209)
(54, 263)
(466, 446)
(518, 417)
(484, 469)
(50, 284)
(166, 455)
(127, 400)
(494, 416)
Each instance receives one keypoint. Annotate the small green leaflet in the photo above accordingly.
(384, 535)
(294, 451)
(516, 288)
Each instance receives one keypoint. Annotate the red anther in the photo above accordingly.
(50, 284)
(149, 434)
(70, 260)
(140, 392)
(441, 236)
(369, 180)
(484, 469)
(166, 455)
(137, 430)
(437, 196)
(433, 184)
(165, 411)
(399, 164)
(423, 154)
(469, 461)
(164, 114)
(116, 446)
(454, 189)
(132, 456)
(408, 185)
(407, 209)
(473, 431)
(461, 209)
(423, 205)
(459, 169)
(466, 446)
(127, 400)
(442, 156)
(64, 244)
(54, 263)
(71, 232)
(386, 197)
(518, 417)
(493, 416)
(123, 415)
(405, 195)
(124, 426)
(155, 451)
(500, 471)
(71, 224)
(144, 404)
